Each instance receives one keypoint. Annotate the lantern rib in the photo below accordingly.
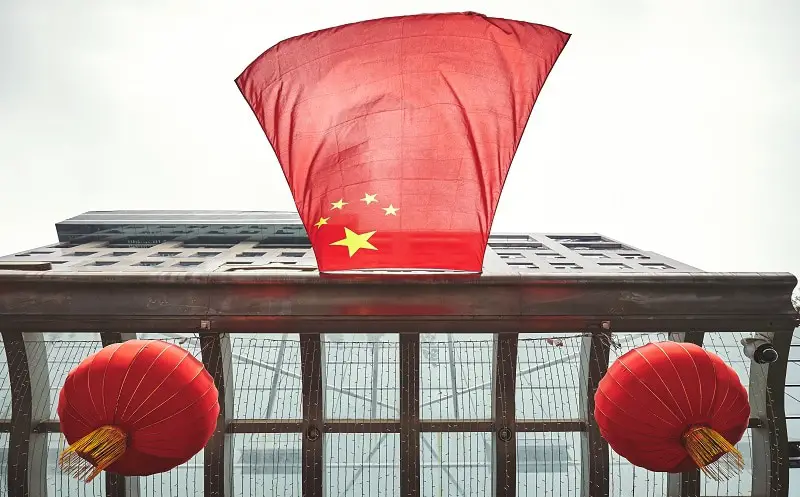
(124, 378)
(211, 408)
(680, 379)
(711, 407)
(699, 381)
(136, 389)
(116, 347)
(175, 394)
(89, 385)
(654, 414)
(622, 363)
(156, 388)
(669, 390)
(197, 399)
(75, 414)
(613, 420)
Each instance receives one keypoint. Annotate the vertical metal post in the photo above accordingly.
(594, 448)
(685, 484)
(118, 485)
(770, 439)
(313, 414)
(409, 416)
(30, 403)
(504, 414)
(218, 455)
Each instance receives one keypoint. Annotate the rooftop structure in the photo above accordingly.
(403, 385)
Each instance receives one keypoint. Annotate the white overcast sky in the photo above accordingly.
(672, 126)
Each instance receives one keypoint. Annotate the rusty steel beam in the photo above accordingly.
(218, 454)
(177, 302)
(30, 404)
(504, 414)
(770, 444)
(410, 468)
(595, 351)
(313, 387)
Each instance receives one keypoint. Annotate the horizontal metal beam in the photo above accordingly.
(179, 302)
(376, 426)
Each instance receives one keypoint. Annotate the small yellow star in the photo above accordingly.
(322, 221)
(391, 210)
(369, 198)
(338, 205)
(354, 242)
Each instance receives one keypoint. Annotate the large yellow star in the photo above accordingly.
(391, 210)
(369, 198)
(322, 221)
(354, 242)
(338, 205)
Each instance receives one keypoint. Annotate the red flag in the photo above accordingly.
(396, 135)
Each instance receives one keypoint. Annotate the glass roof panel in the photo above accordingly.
(456, 377)
(267, 464)
(456, 464)
(266, 375)
(549, 464)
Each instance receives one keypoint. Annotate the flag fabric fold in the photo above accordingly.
(396, 135)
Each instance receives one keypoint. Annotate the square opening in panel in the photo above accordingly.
(655, 265)
(165, 254)
(565, 265)
(523, 265)
(550, 255)
(595, 255)
(80, 254)
(188, 264)
(251, 254)
(102, 263)
(205, 254)
(149, 263)
(511, 255)
(121, 254)
(613, 265)
(292, 254)
(634, 256)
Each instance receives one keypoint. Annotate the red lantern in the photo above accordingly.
(136, 408)
(672, 407)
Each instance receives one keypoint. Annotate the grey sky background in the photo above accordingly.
(672, 126)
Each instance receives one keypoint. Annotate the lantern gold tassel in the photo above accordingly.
(713, 453)
(89, 456)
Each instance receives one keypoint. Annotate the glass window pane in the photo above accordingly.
(59, 483)
(455, 377)
(456, 464)
(5, 386)
(266, 375)
(362, 464)
(548, 369)
(549, 464)
(741, 484)
(267, 465)
(63, 352)
(361, 377)
(4, 441)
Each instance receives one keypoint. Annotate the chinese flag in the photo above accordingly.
(396, 135)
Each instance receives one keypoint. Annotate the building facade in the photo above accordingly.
(410, 382)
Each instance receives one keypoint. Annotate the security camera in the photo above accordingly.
(760, 350)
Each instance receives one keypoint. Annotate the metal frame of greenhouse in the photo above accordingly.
(218, 305)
